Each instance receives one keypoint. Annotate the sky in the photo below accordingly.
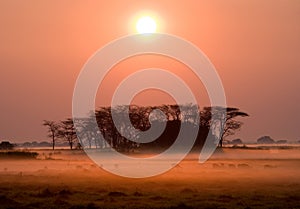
(254, 45)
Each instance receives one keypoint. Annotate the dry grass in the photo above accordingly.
(71, 180)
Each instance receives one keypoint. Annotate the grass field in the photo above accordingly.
(237, 178)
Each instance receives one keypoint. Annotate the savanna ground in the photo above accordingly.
(237, 178)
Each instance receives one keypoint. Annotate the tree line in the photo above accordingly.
(142, 118)
(63, 130)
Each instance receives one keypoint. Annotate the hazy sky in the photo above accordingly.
(254, 45)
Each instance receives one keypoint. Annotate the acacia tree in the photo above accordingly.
(226, 118)
(222, 121)
(231, 124)
(53, 129)
(67, 132)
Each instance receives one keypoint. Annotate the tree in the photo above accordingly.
(112, 123)
(53, 129)
(223, 118)
(6, 145)
(231, 124)
(67, 132)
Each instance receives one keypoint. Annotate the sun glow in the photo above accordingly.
(146, 24)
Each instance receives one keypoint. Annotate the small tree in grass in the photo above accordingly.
(53, 129)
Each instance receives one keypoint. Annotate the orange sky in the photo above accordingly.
(254, 45)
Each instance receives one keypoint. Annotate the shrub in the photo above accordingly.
(18, 154)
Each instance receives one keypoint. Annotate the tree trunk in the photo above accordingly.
(53, 142)
(221, 143)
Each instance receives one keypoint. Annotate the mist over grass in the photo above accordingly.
(234, 178)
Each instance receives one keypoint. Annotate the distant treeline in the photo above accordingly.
(143, 118)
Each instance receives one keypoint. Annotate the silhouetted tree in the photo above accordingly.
(88, 132)
(231, 123)
(113, 133)
(106, 126)
(223, 117)
(226, 118)
(67, 131)
(6, 145)
(53, 129)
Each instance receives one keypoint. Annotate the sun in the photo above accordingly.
(146, 24)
